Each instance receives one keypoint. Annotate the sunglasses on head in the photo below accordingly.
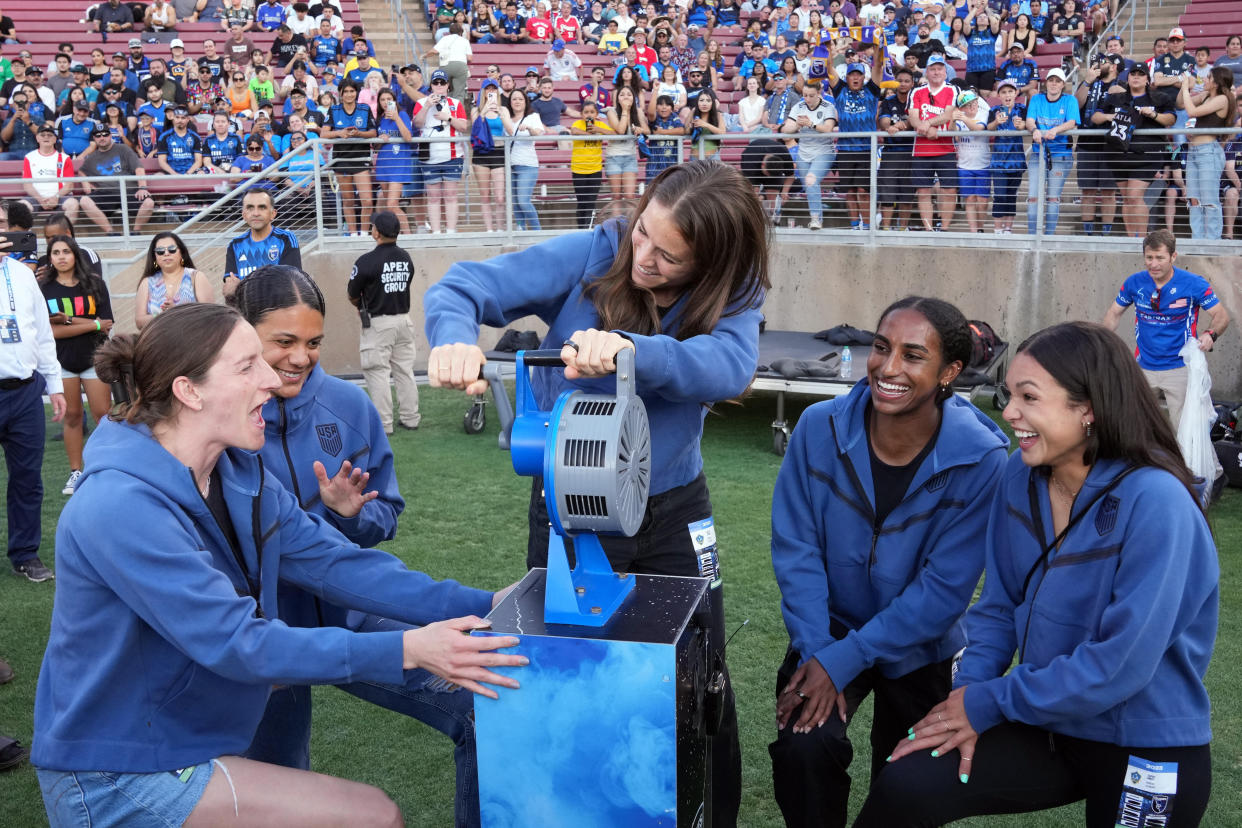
(167, 251)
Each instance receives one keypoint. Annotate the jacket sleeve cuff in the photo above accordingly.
(651, 360)
(378, 656)
(842, 660)
(982, 707)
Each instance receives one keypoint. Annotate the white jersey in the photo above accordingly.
(813, 146)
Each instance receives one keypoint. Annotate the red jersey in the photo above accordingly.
(539, 28)
(929, 106)
(567, 27)
(438, 152)
(646, 57)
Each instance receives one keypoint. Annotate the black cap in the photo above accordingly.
(100, 129)
(81, 105)
(45, 128)
(180, 110)
(1139, 68)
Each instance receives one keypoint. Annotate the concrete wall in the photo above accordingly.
(819, 285)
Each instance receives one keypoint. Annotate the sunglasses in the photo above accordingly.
(239, 77)
(167, 251)
(254, 147)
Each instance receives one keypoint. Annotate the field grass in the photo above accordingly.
(466, 519)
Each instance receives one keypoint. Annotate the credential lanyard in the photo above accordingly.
(8, 284)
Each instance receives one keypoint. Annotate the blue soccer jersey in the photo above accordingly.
(179, 149)
(222, 151)
(1165, 317)
(245, 255)
(74, 138)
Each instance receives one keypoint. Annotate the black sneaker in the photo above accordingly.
(12, 753)
(33, 570)
(6, 672)
(407, 427)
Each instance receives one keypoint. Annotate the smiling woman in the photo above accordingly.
(874, 519)
(681, 284)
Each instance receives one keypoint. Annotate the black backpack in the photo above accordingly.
(983, 343)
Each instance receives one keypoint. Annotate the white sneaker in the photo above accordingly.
(815, 224)
(72, 482)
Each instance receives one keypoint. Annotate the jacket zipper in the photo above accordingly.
(284, 444)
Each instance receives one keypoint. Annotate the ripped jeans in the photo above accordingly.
(283, 737)
(1050, 174)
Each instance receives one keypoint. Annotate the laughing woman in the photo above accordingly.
(1102, 579)
(874, 519)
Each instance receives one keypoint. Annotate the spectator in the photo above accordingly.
(770, 170)
(1214, 108)
(1095, 169)
(18, 132)
(521, 121)
(261, 86)
(813, 116)
(236, 12)
(932, 158)
(750, 109)
(82, 318)
(238, 47)
(156, 106)
(114, 120)
(1022, 35)
(1041, 20)
(612, 42)
(1136, 159)
(625, 118)
(550, 108)
(300, 21)
(262, 244)
(137, 61)
(74, 130)
(586, 162)
(439, 115)
(511, 28)
(668, 84)
(1232, 59)
(352, 161)
(704, 121)
(180, 151)
(562, 64)
(857, 101)
(982, 30)
(59, 79)
(335, 25)
(594, 89)
(662, 152)
(644, 55)
(160, 16)
(565, 25)
(28, 367)
(1022, 70)
(1050, 115)
(1008, 156)
(168, 279)
(221, 145)
(242, 103)
(455, 54)
(146, 137)
(482, 23)
(254, 159)
(325, 46)
(213, 61)
(974, 158)
(538, 26)
(112, 17)
(488, 165)
(1231, 185)
(362, 65)
(288, 50)
(269, 15)
(201, 90)
(593, 25)
(1068, 26)
(45, 162)
(778, 103)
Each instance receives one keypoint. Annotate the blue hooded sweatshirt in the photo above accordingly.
(331, 421)
(1115, 632)
(675, 378)
(855, 594)
(159, 658)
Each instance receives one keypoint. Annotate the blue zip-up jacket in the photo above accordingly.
(159, 658)
(331, 421)
(895, 592)
(1115, 633)
(675, 378)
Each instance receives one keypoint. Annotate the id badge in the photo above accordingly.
(1147, 794)
(703, 536)
(10, 333)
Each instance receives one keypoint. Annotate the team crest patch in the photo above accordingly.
(273, 253)
(329, 438)
(1159, 803)
(938, 481)
(1106, 518)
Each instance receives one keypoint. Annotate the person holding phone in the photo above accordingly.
(586, 162)
(439, 115)
(395, 159)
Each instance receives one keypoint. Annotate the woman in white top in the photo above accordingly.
(455, 54)
(168, 279)
(519, 120)
(625, 117)
(668, 84)
(160, 17)
(750, 109)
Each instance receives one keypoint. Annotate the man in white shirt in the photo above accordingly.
(28, 366)
(562, 64)
(47, 162)
(871, 13)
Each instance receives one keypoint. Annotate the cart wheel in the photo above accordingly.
(475, 419)
(780, 439)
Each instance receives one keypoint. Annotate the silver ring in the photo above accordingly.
(940, 717)
(571, 344)
(800, 694)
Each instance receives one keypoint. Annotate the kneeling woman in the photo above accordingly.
(326, 445)
(874, 519)
(163, 649)
(1102, 577)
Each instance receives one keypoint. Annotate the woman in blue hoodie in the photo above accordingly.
(164, 647)
(875, 516)
(1102, 578)
(682, 284)
(326, 444)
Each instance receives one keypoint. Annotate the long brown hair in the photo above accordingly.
(1223, 77)
(718, 214)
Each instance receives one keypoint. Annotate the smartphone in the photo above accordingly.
(22, 241)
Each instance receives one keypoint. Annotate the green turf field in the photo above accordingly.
(466, 519)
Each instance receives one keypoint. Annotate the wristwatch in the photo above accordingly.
(1215, 336)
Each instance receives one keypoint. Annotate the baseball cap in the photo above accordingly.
(439, 75)
(856, 67)
(45, 128)
(176, 42)
(1017, 46)
(1176, 32)
(1055, 73)
(1007, 82)
(694, 70)
(693, 27)
(532, 70)
(82, 105)
(1139, 67)
(133, 41)
(778, 75)
(489, 82)
(34, 70)
(77, 67)
(412, 67)
(100, 129)
(558, 44)
(180, 110)
(119, 54)
(966, 97)
(386, 223)
(934, 59)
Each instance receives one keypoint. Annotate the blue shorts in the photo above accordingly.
(414, 187)
(449, 170)
(974, 183)
(926, 169)
(79, 799)
(617, 164)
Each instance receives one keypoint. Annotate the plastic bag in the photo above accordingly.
(1194, 431)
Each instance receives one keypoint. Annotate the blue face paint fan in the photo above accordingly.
(593, 452)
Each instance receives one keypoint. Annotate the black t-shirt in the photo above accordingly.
(220, 513)
(895, 109)
(382, 279)
(889, 483)
(780, 164)
(1062, 22)
(1140, 144)
(283, 52)
(76, 353)
(216, 65)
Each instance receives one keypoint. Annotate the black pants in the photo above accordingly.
(810, 771)
(662, 546)
(22, 431)
(1018, 768)
(586, 192)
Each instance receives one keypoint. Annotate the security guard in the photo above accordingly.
(379, 287)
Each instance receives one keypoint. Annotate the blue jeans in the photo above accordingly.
(283, 737)
(524, 214)
(819, 167)
(1204, 165)
(1055, 183)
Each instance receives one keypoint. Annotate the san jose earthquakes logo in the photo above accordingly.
(1159, 803)
(329, 438)
(1106, 518)
(273, 253)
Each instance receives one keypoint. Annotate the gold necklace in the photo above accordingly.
(1066, 493)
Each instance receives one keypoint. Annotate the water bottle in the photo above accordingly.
(847, 363)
